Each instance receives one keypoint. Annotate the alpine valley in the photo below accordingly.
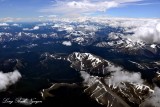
(80, 62)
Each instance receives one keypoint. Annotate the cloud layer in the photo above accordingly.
(79, 7)
(149, 32)
(7, 79)
(146, 30)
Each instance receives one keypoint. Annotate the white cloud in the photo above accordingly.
(88, 79)
(25, 29)
(85, 76)
(141, 4)
(15, 24)
(119, 75)
(146, 30)
(80, 7)
(52, 16)
(153, 100)
(4, 24)
(149, 32)
(67, 43)
(158, 27)
(10, 19)
(36, 28)
(7, 79)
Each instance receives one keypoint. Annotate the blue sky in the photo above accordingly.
(65, 8)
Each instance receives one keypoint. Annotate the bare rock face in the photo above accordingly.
(156, 79)
(115, 88)
(125, 94)
(11, 64)
(46, 92)
(132, 93)
(103, 94)
(88, 62)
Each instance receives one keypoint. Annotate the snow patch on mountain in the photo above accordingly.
(153, 46)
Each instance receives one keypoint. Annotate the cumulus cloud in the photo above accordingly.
(7, 79)
(85, 76)
(84, 6)
(146, 30)
(88, 79)
(153, 100)
(118, 75)
(35, 27)
(4, 24)
(149, 32)
(67, 43)
(15, 24)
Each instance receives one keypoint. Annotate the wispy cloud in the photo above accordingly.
(9, 19)
(80, 7)
(147, 4)
(145, 30)
(153, 100)
(144, 3)
(119, 75)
